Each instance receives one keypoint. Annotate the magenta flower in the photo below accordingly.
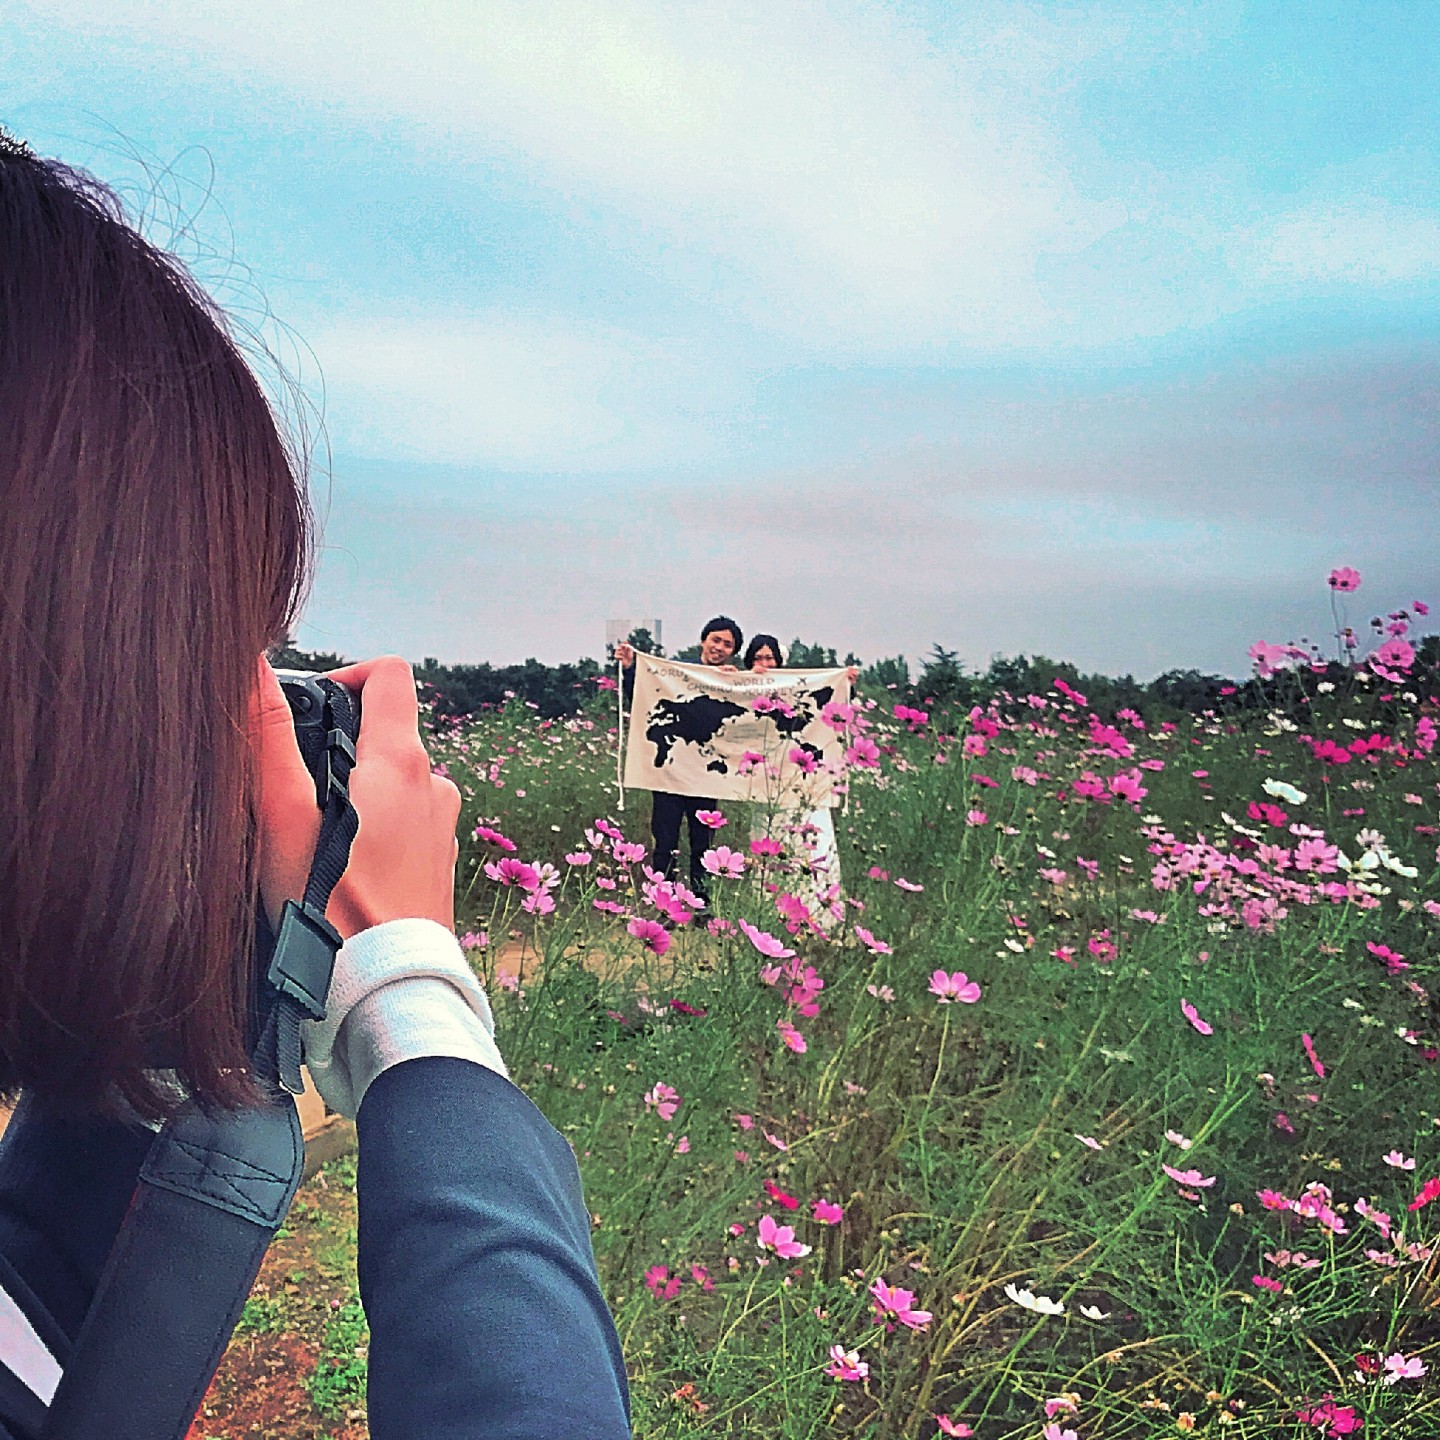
(663, 1099)
(1334, 1419)
(779, 1196)
(957, 987)
(827, 1212)
(713, 818)
(513, 872)
(1344, 578)
(494, 837)
(1394, 654)
(1193, 1016)
(651, 934)
(764, 845)
(780, 1238)
(661, 1283)
(874, 946)
(579, 857)
(894, 1305)
(1314, 1059)
(791, 1036)
(846, 1364)
(953, 1427)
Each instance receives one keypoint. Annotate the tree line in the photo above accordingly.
(942, 681)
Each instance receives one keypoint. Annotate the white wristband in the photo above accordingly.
(401, 991)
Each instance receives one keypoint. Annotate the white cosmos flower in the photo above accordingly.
(1029, 1300)
(1283, 790)
(1094, 1312)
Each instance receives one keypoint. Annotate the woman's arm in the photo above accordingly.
(476, 1271)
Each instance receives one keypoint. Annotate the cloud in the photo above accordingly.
(825, 170)
(1361, 242)
(508, 392)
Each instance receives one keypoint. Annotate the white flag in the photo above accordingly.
(750, 735)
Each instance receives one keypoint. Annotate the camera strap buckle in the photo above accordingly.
(337, 776)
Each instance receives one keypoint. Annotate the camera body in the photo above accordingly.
(308, 694)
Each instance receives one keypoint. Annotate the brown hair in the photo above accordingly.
(154, 540)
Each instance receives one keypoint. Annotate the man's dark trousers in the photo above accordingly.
(665, 816)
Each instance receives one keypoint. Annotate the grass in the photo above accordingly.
(1018, 1141)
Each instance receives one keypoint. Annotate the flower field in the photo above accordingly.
(1103, 1099)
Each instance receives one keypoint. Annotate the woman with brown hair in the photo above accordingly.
(155, 812)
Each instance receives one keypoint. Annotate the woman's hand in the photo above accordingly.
(402, 863)
(625, 653)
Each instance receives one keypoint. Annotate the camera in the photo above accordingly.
(310, 696)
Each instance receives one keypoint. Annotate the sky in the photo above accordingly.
(1095, 330)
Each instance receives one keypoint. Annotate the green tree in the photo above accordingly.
(943, 680)
(889, 674)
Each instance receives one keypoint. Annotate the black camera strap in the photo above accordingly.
(214, 1187)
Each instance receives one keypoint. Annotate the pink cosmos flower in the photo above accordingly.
(957, 987)
(1264, 1282)
(494, 837)
(763, 845)
(953, 1427)
(513, 872)
(1344, 578)
(1402, 1367)
(894, 1305)
(876, 947)
(901, 883)
(1315, 1064)
(1189, 1177)
(764, 942)
(1193, 1016)
(701, 1276)
(1053, 1431)
(538, 903)
(779, 1196)
(1334, 1419)
(827, 1212)
(1429, 1191)
(1399, 1160)
(661, 1283)
(791, 1036)
(863, 754)
(663, 1099)
(1393, 961)
(651, 934)
(1394, 654)
(846, 1364)
(579, 857)
(780, 1238)
(724, 862)
(713, 818)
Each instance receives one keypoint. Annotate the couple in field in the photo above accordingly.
(813, 832)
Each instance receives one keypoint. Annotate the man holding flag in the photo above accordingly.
(720, 642)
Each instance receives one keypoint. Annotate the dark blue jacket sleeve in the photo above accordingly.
(476, 1272)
